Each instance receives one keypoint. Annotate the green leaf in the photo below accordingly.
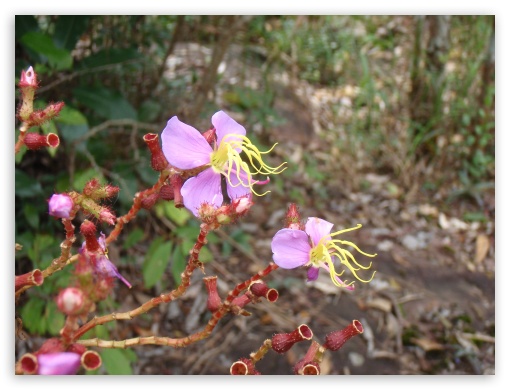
(71, 116)
(109, 57)
(54, 318)
(156, 262)
(105, 102)
(68, 30)
(178, 264)
(26, 186)
(38, 253)
(24, 24)
(32, 316)
(116, 362)
(168, 209)
(205, 255)
(59, 59)
(133, 238)
(31, 214)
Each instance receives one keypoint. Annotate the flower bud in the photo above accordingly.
(149, 201)
(28, 78)
(166, 192)
(282, 342)
(105, 215)
(243, 367)
(210, 135)
(293, 219)
(158, 160)
(260, 289)
(60, 205)
(88, 229)
(213, 298)
(335, 340)
(71, 301)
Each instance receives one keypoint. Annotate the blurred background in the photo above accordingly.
(386, 121)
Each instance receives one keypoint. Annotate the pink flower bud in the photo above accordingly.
(210, 135)
(60, 205)
(71, 301)
(282, 342)
(243, 367)
(28, 78)
(243, 204)
(105, 215)
(88, 229)
(293, 219)
(60, 363)
(335, 340)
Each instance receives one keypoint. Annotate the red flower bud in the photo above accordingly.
(282, 342)
(166, 192)
(210, 135)
(91, 187)
(105, 215)
(149, 201)
(335, 340)
(292, 218)
(243, 367)
(88, 229)
(158, 160)
(51, 346)
(260, 289)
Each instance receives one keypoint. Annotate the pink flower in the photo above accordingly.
(101, 263)
(60, 205)
(58, 363)
(315, 247)
(186, 148)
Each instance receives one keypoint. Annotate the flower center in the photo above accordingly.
(226, 159)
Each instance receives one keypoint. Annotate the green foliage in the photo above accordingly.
(156, 261)
(118, 361)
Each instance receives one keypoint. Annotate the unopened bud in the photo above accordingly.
(213, 298)
(158, 160)
(60, 205)
(88, 229)
(282, 342)
(243, 204)
(28, 78)
(149, 201)
(166, 192)
(335, 340)
(210, 135)
(105, 215)
(292, 218)
(71, 301)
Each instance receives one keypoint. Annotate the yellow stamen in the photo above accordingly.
(226, 158)
(327, 248)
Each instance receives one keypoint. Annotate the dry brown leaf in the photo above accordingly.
(380, 304)
(482, 247)
(427, 344)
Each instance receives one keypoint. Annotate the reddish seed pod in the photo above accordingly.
(335, 340)
(32, 278)
(91, 360)
(261, 289)
(213, 298)
(158, 160)
(35, 141)
(282, 342)
(243, 367)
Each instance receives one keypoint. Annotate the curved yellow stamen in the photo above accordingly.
(227, 159)
(329, 247)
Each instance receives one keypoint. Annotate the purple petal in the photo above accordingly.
(291, 248)
(312, 274)
(59, 363)
(107, 269)
(205, 187)
(226, 125)
(183, 146)
(237, 190)
(317, 228)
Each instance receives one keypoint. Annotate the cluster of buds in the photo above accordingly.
(54, 358)
(226, 214)
(28, 85)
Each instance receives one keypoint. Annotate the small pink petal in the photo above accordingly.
(205, 187)
(317, 228)
(183, 146)
(291, 248)
(312, 274)
(226, 125)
